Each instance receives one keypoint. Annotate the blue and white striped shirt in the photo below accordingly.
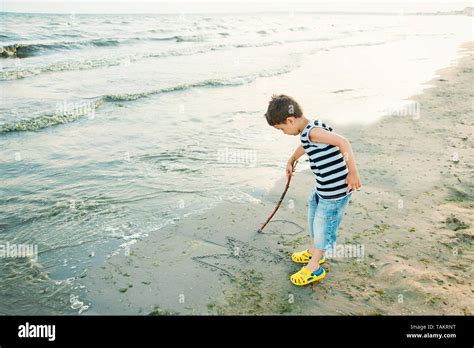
(327, 163)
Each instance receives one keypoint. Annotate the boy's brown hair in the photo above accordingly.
(280, 108)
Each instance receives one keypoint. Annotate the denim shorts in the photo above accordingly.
(324, 218)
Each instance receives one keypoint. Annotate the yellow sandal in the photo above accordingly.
(304, 257)
(305, 276)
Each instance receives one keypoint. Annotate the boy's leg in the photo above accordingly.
(301, 256)
(312, 205)
(313, 264)
(326, 222)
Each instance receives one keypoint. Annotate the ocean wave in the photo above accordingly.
(48, 120)
(82, 110)
(20, 50)
(88, 64)
(5, 36)
(301, 28)
(56, 67)
(235, 81)
(179, 38)
(279, 42)
(189, 38)
(136, 96)
(25, 50)
(98, 63)
(102, 42)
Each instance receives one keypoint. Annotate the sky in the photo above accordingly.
(222, 6)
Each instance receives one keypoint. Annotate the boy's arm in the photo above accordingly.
(319, 135)
(297, 154)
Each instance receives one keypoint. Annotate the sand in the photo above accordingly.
(413, 217)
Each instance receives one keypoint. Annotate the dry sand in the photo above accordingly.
(413, 217)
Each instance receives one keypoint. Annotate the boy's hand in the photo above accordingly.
(353, 181)
(289, 167)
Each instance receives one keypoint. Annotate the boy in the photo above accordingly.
(332, 161)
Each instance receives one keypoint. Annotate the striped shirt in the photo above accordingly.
(326, 162)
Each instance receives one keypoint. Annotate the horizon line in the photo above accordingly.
(452, 12)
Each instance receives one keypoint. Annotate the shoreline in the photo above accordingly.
(413, 226)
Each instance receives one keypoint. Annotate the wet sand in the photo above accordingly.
(413, 217)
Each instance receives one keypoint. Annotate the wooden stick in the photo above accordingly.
(281, 199)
